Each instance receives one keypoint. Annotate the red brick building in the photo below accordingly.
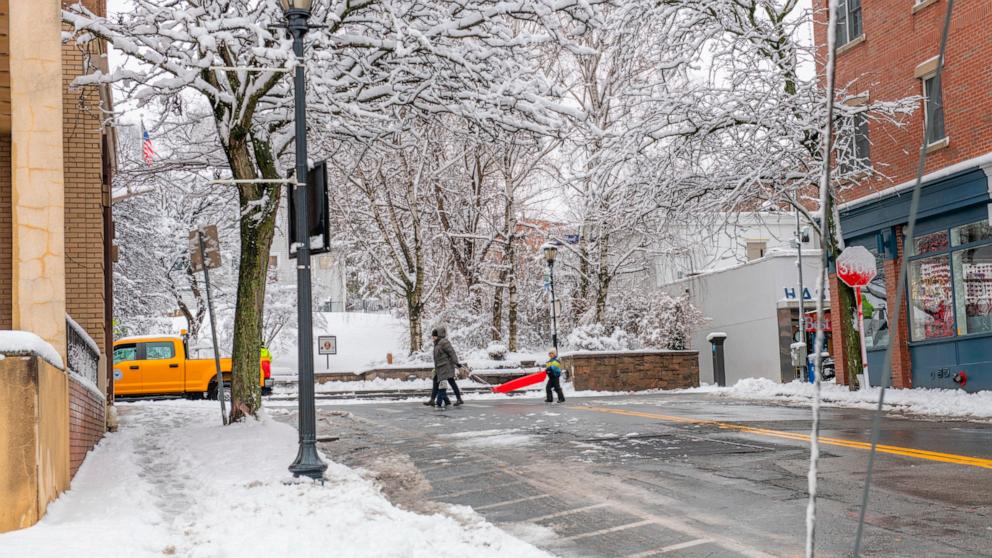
(887, 50)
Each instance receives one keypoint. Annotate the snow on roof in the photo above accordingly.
(27, 343)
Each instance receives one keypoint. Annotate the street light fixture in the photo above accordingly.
(307, 462)
(550, 253)
(302, 5)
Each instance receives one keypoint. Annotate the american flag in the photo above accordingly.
(146, 145)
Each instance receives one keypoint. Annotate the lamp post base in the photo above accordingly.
(308, 463)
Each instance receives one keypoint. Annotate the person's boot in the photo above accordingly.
(429, 403)
(549, 400)
(458, 402)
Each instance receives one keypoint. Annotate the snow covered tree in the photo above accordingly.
(624, 79)
(151, 211)
(387, 208)
(367, 58)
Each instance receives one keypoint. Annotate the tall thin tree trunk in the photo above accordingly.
(603, 277)
(496, 329)
(580, 298)
(513, 302)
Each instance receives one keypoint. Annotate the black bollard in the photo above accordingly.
(719, 372)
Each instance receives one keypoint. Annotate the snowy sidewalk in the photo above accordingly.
(935, 403)
(173, 481)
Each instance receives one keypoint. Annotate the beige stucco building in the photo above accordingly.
(56, 160)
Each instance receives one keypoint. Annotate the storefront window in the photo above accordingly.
(932, 306)
(876, 308)
(972, 232)
(973, 289)
(929, 243)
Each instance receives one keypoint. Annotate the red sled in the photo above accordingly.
(522, 382)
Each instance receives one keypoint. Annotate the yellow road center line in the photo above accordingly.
(799, 437)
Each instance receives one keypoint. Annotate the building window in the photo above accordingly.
(876, 311)
(848, 21)
(951, 282)
(756, 249)
(934, 109)
(855, 148)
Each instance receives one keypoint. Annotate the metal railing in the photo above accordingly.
(82, 353)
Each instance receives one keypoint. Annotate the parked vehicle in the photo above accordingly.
(159, 365)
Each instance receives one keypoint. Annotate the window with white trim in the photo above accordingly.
(848, 21)
(933, 114)
(854, 149)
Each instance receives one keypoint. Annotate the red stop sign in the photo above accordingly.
(856, 266)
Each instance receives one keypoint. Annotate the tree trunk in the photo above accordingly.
(580, 300)
(496, 330)
(513, 299)
(258, 206)
(256, 240)
(849, 334)
(414, 310)
(603, 278)
(196, 321)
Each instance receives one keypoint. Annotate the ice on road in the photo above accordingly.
(173, 481)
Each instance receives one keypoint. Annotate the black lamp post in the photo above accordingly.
(307, 462)
(550, 253)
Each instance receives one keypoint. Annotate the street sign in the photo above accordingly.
(211, 248)
(318, 212)
(327, 344)
(856, 266)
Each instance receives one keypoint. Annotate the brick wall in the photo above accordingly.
(87, 421)
(82, 151)
(902, 365)
(896, 41)
(6, 269)
(633, 371)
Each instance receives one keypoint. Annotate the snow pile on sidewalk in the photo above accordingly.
(918, 401)
(174, 482)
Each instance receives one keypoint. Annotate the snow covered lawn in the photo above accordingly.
(919, 401)
(173, 481)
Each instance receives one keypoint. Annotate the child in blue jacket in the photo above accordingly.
(553, 369)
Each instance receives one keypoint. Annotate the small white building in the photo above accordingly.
(328, 271)
(741, 272)
(756, 304)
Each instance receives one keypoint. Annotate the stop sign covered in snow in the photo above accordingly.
(856, 266)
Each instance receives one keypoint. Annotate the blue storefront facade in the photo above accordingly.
(949, 285)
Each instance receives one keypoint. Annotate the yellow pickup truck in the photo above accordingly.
(159, 365)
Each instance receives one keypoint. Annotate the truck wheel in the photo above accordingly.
(212, 391)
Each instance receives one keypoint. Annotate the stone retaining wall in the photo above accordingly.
(633, 370)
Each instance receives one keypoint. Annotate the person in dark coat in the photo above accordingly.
(445, 364)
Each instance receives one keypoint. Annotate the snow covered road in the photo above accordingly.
(173, 481)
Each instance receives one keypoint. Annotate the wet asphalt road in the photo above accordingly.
(677, 475)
